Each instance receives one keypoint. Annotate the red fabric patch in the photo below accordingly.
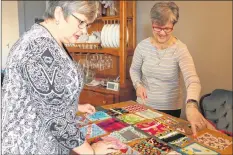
(111, 124)
(153, 127)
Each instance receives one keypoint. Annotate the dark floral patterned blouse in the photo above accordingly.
(40, 93)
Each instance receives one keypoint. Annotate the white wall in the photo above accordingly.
(206, 28)
(10, 28)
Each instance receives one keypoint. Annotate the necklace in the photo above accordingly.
(161, 54)
(160, 46)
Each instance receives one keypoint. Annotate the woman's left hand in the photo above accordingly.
(196, 119)
(86, 108)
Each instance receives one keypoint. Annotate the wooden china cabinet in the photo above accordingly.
(125, 16)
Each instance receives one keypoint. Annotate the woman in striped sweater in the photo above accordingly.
(156, 66)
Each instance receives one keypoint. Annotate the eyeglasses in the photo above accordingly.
(82, 24)
(159, 29)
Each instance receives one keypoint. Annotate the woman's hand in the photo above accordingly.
(86, 108)
(196, 119)
(102, 147)
(141, 92)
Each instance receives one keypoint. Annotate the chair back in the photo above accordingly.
(217, 108)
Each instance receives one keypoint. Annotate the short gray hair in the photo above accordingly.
(163, 12)
(87, 8)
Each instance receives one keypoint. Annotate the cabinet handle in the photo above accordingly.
(104, 102)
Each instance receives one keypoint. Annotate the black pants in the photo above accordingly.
(175, 113)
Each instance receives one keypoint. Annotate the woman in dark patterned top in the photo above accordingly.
(42, 85)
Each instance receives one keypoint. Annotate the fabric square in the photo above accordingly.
(146, 148)
(128, 134)
(167, 120)
(195, 148)
(99, 115)
(167, 133)
(92, 130)
(120, 110)
(119, 145)
(149, 114)
(163, 147)
(213, 141)
(180, 141)
(174, 138)
(183, 127)
(81, 121)
(131, 118)
(112, 113)
(152, 127)
(112, 124)
(135, 108)
(117, 135)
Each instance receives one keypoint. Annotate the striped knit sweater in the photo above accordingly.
(159, 72)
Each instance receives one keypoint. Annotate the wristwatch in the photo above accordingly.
(195, 102)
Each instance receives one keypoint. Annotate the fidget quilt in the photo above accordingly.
(92, 130)
(149, 114)
(111, 125)
(152, 127)
(81, 121)
(135, 108)
(195, 148)
(99, 115)
(128, 134)
(213, 141)
(116, 112)
(167, 120)
(163, 147)
(131, 118)
(173, 137)
(183, 127)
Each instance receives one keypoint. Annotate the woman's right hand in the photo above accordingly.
(141, 92)
(102, 147)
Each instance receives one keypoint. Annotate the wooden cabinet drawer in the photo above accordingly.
(95, 98)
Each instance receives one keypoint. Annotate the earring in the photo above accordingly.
(57, 22)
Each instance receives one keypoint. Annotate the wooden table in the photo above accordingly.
(228, 150)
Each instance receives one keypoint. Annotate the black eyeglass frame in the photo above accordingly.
(81, 22)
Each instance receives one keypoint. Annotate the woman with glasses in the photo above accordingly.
(42, 85)
(156, 66)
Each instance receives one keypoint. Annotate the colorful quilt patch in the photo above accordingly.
(213, 141)
(99, 115)
(81, 121)
(149, 114)
(114, 112)
(131, 118)
(174, 137)
(152, 127)
(92, 130)
(145, 148)
(111, 125)
(135, 108)
(195, 148)
(128, 134)
(163, 147)
(183, 127)
(167, 120)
